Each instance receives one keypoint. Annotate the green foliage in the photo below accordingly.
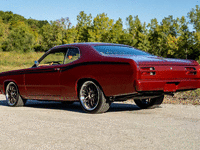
(19, 39)
(194, 16)
(136, 31)
(52, 35)
(83, 26)
(116, 32)
(3, 33)
(99, 32)
(169, 38)
(9, 17)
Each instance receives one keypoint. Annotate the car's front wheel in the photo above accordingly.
(149, 102)
(92, 98)
(13, 97)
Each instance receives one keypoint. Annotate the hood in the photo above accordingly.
(155, 60)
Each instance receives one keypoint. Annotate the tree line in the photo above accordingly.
(169, 38)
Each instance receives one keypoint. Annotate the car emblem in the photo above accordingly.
(170, 68)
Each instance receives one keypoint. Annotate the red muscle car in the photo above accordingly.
(96, 74)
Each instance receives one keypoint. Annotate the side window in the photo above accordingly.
(72, 55)
(54, 58)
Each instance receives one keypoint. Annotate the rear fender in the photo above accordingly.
(198, 75)
(198, 71)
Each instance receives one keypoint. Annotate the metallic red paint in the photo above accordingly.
(116, 76)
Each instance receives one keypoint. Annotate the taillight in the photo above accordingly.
(190, 71)
(148, 71)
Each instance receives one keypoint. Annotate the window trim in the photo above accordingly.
(57, 49)
(68, 52)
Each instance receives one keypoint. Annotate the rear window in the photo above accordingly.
(119, 50)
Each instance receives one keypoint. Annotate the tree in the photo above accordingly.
(155, 37)
(12, 19)
(163, 37)
(168, 37)
(82, 27)
(194, 16)
(116, 32)
(134, 27)
(20, 39)
(144, 43)
(71, 35)
(51, 35)
(64, 24)
(196, 46)
(137, 33)
(4, 31)
(99, 32)
(185, 40)
(36, 23)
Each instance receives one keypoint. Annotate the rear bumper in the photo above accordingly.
(167, 85)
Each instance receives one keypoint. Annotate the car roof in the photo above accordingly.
(91, 44)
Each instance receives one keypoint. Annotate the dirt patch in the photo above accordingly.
(181, 100)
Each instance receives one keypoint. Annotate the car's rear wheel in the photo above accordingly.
(92, 98)
(149, 102)
(13, 97)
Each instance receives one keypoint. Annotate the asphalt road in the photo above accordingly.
(49, 125)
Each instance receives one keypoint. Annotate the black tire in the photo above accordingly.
(149, 102)
(13, 97)
(92, 98)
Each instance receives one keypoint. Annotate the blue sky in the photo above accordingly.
(55, 9)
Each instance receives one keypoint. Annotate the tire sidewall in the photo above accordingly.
(101, 99)
(17, 98)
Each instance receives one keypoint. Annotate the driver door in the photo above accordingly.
(43, 81)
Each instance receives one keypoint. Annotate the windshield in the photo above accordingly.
(119, 50)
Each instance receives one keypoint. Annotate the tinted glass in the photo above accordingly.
(119, 50)
(72, 55)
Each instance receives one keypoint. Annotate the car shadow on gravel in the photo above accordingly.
(76, 107)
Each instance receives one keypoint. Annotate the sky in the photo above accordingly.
(55, 9)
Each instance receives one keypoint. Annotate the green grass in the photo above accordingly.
(13, 61)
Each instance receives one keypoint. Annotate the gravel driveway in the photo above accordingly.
(49, 125)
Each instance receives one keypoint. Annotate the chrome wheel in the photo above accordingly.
(13, 97)
(11, 94)
(89, 96)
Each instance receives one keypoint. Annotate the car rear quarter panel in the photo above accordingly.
(115, 78)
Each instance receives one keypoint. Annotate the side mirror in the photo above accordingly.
(36, 63)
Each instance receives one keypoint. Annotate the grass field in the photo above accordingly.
(13, 61)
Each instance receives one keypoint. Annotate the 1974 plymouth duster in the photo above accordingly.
(96, 74)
